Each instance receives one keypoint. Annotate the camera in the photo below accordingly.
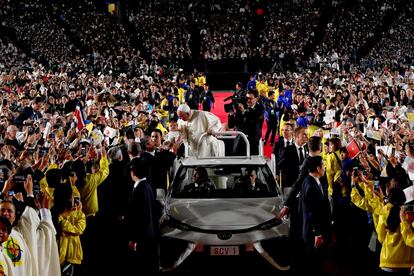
(376, 185)
(18, 181)
(36, 189)
(44, 151)
(408, 208)
(76, 201)
(30, 130)
(355, 171)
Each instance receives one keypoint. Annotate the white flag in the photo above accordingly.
(110, 132)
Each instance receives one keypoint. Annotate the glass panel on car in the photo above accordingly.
(230, 181)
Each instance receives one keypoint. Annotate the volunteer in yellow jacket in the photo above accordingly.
(396, 256)
(89, 183)
(88, 188)
(407, 225)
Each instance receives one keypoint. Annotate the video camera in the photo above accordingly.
(235, 100)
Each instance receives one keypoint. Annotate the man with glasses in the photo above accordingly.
(252, 117)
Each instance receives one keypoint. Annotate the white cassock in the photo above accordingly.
(16, 252)
(6, 265)
(197, 124)
(40, 236)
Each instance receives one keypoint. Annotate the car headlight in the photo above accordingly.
(269, 224)
(172, 222)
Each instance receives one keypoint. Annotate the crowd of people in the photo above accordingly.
(58, 120)
(57, 125)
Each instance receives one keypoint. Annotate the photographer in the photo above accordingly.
(232, 109)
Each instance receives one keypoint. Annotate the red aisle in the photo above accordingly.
(219, 111)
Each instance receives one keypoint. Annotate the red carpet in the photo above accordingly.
(219, 111)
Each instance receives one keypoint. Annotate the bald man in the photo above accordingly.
(194, 123)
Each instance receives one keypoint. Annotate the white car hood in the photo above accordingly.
(224, 213)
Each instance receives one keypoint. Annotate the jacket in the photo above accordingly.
(72, 224)
(394, 252)
(89, 193)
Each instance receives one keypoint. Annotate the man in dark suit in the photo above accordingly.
(315, 148)
(315, 212)
(192, 96)
(142, 224)
(251, 185)
(252, 117)
(292, 157)
(272, 111)
(285, 140)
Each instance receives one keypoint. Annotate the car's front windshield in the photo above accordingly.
(229, 181)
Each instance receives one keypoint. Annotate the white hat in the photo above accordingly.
(184, 108)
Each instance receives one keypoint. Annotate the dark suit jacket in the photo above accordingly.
(244, 187)
(253, 123)
(315, 211)
(289, 165)
(277, 150)
(291, 201)
(27, 113)
(142, 223)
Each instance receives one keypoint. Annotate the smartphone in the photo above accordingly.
(355, 171)
(376, 185)
(83, 151)
(393, 152)
(36, 189)
(76, 201)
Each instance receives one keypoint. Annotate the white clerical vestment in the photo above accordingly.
(197, 124)
(40, 236)
(21, 261)
(6, 265)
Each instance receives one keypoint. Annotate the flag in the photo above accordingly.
(410, 116)
(353, 149)
(97, 136)
(79, 118)
(110, 132)
(89, 127)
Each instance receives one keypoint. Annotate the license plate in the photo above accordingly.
(224, 250)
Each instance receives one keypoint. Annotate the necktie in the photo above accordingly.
(320, 187)
(287, 143)
(301, 156)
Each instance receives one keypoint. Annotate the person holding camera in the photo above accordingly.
(252, 120)
(396, 257)
(30, 113)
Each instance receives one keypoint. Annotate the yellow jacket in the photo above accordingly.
(72, 224)
(201, 80)
(89, 193)
(407, 233)
(262, 88)
(369, 203)
(181, 92)
(333, 169)
(163, 113)
(394, 252)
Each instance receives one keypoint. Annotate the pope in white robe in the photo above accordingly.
(194, 123)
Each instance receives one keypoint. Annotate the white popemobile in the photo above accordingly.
(225, 220)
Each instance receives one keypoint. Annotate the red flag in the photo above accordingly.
(353, 149)
(80, 121)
